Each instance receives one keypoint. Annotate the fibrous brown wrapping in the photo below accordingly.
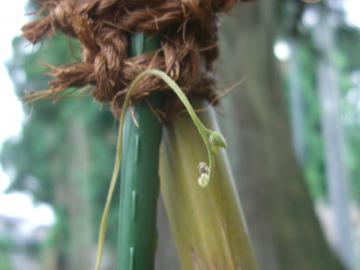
(189, 44)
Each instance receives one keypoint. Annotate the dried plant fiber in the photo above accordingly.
(188, 30)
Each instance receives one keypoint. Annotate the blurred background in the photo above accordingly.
(293, 127)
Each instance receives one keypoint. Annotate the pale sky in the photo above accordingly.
(353, 11)
(11, 114)
(16, 204)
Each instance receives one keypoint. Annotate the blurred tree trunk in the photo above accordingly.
(166, 255)
(60, 261)
(82, 247)
(278, 209)
(75, 250)
(333, 135)
(296, 103)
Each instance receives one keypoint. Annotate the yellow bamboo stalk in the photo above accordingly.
(207, 223)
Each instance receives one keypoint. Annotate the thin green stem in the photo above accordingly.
(105, 214)
(213, 140)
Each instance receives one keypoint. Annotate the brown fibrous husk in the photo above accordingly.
(188, 32)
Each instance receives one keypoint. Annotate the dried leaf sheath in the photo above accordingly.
(209, 229)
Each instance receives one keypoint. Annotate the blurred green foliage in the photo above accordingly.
(348, 45)
(6, 247)
(347, 60)
(314, 151)
(40, 158)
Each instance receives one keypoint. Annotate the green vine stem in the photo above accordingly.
(213, 141)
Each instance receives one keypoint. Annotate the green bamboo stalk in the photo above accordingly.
(207, 223)
(139, 177)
